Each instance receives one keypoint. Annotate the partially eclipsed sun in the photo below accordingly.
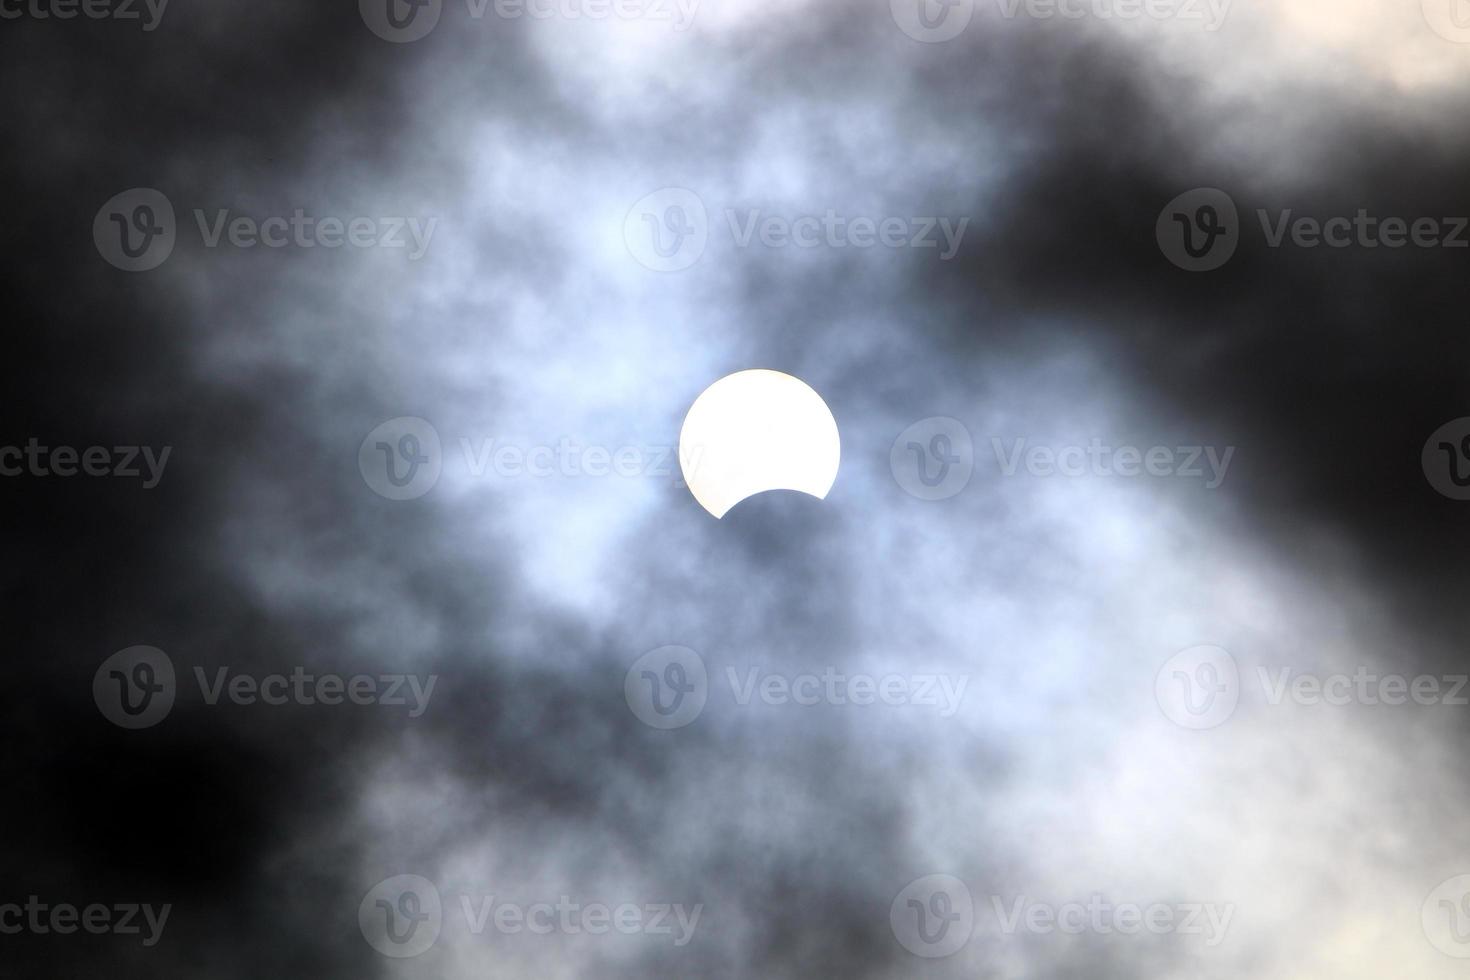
(755, 431)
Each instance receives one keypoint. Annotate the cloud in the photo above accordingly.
(528, 322)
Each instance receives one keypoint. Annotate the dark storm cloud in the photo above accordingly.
(185, 814)
(1329, 368)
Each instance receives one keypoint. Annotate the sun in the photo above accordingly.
(754, 431)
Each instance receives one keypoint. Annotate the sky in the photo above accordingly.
(381, 636)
